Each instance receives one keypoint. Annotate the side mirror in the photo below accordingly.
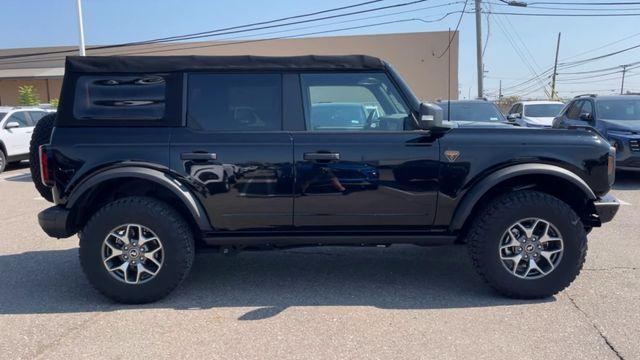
(430, 116)
(513, 117)
(12, 125)
(586, 116)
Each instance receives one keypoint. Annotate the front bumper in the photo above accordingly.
(55, 222)
(606, 207)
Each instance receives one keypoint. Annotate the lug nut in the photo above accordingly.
(535, 254)
(126, 257)
(126, 247)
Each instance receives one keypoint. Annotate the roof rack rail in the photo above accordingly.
(589, 95)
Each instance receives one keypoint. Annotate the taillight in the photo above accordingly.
(611, 165)
(45, 177)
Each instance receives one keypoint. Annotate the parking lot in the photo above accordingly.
(330, 303)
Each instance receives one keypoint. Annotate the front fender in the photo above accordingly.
(473, 195)
(157, 176)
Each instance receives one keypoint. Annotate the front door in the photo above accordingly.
(17, 138)
(234, 149)
(361, 164)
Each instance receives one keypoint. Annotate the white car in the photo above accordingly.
(534, 113)
(16, 126)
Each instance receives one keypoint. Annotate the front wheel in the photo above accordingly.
(136, 250)
(528, 244)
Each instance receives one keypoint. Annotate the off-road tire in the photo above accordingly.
(3, 161)
(41, 135)
(496, 217)
(170, 227)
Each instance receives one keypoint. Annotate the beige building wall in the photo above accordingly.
(413, 55)
(47, 89)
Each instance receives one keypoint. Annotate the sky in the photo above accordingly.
(518, 46)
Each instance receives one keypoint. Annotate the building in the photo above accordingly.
(414, 55)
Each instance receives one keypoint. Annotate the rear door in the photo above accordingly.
(234, 149)
(361, 163)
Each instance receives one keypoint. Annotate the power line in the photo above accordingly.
(238, 28)
(456, 30)
(560, 15)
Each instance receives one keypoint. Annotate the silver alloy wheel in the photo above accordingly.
(531, 248)
(132, 253)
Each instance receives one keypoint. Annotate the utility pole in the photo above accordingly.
(480, 68)
(555, 69)
(500, 91)
(80, 27)
(624, 71)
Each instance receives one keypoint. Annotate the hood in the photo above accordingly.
(477, 124)
(623, 125)
(540, 121)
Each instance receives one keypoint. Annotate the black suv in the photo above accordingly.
(152, 158)
(617, 118)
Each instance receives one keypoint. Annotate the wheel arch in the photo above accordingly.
(112, 184)
(547, 178)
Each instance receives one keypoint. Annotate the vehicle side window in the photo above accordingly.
(36, 116)
(120, 97)
(353, 102)
(20, 117)
(573, 112)
(518, 109)
(587, 107)
(512, 110)
(235, 102)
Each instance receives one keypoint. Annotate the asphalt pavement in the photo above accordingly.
(401, 302)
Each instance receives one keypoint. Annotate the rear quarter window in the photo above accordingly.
(125, 100)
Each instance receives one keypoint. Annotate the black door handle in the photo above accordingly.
(321, 156)
(198, 156)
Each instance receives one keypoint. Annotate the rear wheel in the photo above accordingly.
(528, 244)
(136, 250)
(41, 135)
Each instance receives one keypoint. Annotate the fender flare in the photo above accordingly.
(473, 195)
(159, 177)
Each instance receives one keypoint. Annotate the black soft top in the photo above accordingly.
(136, 64)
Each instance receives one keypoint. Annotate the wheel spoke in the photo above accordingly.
(513, 242)
(115, 252)
(533, 265)
(547, 254)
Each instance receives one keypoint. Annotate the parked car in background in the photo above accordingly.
(534, 113)
(472, 113)
(617, 118)
(16, 126)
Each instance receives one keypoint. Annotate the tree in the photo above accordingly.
(505, 102)
(54, 102)
(28, 95)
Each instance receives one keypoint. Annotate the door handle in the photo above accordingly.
(198, 156)
(321, 156)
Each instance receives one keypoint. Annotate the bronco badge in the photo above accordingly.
(452, 155)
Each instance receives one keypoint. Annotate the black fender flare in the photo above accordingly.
(473, 195)
(157, 176)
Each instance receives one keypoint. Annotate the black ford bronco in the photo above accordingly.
(150, 159)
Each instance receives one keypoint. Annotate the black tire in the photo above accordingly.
(492, 222)
(41, 135)
(3, 161)
(168, 225)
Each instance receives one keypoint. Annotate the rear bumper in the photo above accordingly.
(606, 207)
(55, 222)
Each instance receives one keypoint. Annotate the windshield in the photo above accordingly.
(543, 110)
(471, 111)
(2, 115)
(622, 109)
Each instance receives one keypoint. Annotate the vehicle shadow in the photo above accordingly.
(400, 277)
(627, 180)
(17, 165)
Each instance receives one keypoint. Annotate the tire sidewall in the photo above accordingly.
(175, 253)
(563, 219)
(3, 161)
